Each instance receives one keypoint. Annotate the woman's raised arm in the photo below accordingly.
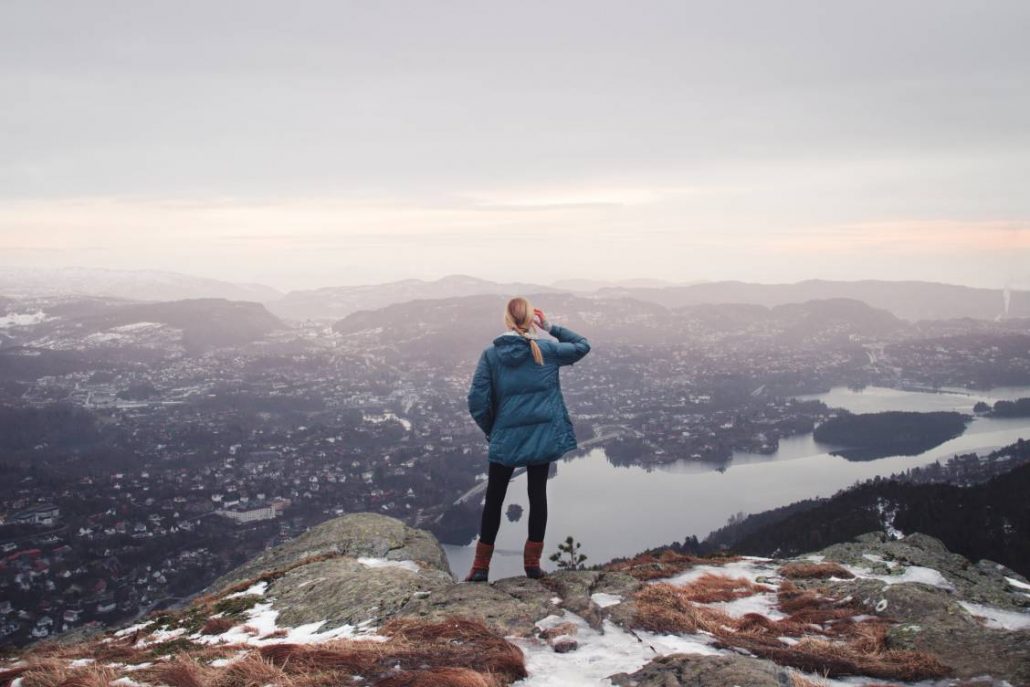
(571, 346)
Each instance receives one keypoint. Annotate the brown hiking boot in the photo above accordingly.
(531, 558)
(481, 563)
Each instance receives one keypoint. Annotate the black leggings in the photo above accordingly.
(497, 487)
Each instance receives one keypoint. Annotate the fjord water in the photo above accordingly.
(618, 511)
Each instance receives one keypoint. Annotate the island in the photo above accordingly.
(1018, 408)
(869, 436)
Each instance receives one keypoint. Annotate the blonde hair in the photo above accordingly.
(518, 316)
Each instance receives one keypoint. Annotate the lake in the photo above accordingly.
(619, 511)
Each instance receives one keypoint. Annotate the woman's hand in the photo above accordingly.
(540, 319)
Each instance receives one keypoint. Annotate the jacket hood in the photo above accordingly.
(512, 349)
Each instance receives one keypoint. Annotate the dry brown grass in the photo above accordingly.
(182, 671)
(648, 566)
(799, 680)
(814, 571)
(792, 599)
(664, 607)
(439, 677)
(54, 672)
(455, 647)
(251, 671)
(709, 588)
(216, 626)
(831, 642)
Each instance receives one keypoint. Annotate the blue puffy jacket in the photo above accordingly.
(519, 404)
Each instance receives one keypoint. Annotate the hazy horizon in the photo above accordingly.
(352, 143)
(628, 282)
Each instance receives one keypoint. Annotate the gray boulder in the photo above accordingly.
(692, 670)
(353, 536)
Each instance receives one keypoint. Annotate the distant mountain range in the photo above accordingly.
(339, 301)
(451, 329)
(908, 300)
(140, 285)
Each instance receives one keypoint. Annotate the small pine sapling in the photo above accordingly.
(568, 556)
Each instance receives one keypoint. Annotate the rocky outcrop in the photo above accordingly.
(364, 566)
(363, 591)
(350, 536)
(940, 616)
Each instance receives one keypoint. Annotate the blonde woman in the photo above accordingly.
(516, 399)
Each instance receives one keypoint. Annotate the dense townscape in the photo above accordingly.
(143, 455)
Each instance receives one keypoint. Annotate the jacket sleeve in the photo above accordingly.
(571, 346)
(481, 396)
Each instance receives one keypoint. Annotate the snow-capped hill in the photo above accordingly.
(94, 323)
(365, 599)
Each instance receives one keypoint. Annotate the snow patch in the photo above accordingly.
(763, 603)
(600, 654)
(22, 319)
(257, 589)
(158, 636)
(913, 573)
(1017, 584)
(751, 569)
(384, 563)
(133, 628)
(260, 625)
(888, 512)
(605, 600)
(998, 618)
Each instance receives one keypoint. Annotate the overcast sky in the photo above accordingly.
(316, 143)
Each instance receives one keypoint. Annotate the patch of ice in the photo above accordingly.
(998, 618)
(133, 628)
(258, 589)
(158, 636)
(1017, 584)
(80, 662)
(260, 624)
(599, 655)
(913, 573)
(762, 604)
(136, 666)
(555, 600)
(604, 600)
(815, 558)
(384, 563)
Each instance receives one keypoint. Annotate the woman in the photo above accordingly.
(516, 399)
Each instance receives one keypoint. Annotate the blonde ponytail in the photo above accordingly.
(518, 315)
(538, 356)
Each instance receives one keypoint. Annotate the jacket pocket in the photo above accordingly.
(499, 441)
